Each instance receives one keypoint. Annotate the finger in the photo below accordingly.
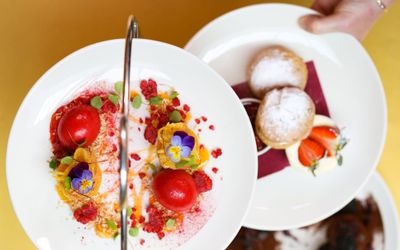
(322, 24)
(325, 7)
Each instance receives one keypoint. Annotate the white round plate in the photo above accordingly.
(377, 188)
(31, 186)
(353, 90)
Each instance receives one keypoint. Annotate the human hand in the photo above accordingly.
(355, 17)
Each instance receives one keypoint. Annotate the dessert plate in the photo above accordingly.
(47, 221)
(353, 90)
(376, 186)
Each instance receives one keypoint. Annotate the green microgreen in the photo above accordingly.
(133, 231)
(67, 183)
(173, 95)
(156, 100)
(114, 99)
(175, 116)
(129, 211)
(96, 102)
(118, 87)
(111, 224)
(137, 101)
(170, 224)
(67, 160)
(53, 164)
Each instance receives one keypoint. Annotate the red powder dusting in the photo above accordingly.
(140, 120)
(186, 108)
(211, 127)
(111, 133)
(115, 148)
(215, 170)
(135, 156)
(204, 118)
(155, 222)
(197, 120)
(131, 186)
(142, 175)
(216, 153)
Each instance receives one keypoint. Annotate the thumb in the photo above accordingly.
(322, 24)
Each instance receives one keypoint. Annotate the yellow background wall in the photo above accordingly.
(35, 34)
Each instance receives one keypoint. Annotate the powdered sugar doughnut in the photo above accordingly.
(275, 67)
(284, 117)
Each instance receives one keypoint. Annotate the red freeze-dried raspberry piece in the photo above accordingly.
(86, 213)
(149, 88)
(142, 175)
(186, 108)
(161, 235)
(142, 242)
(150, 134)
(176, 102)
(197, 120)
(203, 181)
(204, 118)
(216, 153)
(215, 170)
(211, 127)
(155, 222)
(135, 156)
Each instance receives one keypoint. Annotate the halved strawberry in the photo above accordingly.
(310, 152)
(327, 137)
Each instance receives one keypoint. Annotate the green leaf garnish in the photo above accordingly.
(175, 116)
(96, 102)
(170, 224)
(53, 164)
(115, 235)
(153, 167)
(133, 231)
(118, 87)
(114, 99)
(173, 95)
(129, 211)
(339, 159)
(156, 100)
(181, 164)
(194, 166)
(111, 224)
(137, 101)
(67, 160)
(67, 183)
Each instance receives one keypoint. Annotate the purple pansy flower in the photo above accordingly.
(81, 178)
(181, 146)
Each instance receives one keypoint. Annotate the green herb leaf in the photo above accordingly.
(137, 101)
(96, 102)
(111, 224)
(67, 183)
(339, 159)
(67, 160)
(153, 167)
(114, 99)
(156, 100)
(173, 95)
(53, 164)
(175, 116)
(118, 87)
(133, 231)
(115, 235)
(170, 224)
(194, 166)
(129, 211)
(181, 164)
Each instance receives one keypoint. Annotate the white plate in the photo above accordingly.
(353, 90)
(31, 186)
(377, 187)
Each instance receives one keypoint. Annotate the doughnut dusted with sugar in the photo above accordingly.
(276, 67)
(284, 117)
